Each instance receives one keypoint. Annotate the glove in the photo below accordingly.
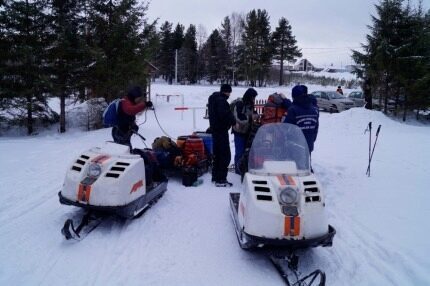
(149, 104)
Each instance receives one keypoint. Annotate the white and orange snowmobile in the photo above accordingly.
(109, 180)
(281, 206)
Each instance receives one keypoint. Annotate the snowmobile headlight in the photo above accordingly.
(288, 196)
(94, 170)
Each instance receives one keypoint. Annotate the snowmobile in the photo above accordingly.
(109, 180)
(281, 206)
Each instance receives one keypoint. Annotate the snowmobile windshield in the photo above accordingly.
(279, 148)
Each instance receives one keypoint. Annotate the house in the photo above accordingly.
(304, 65)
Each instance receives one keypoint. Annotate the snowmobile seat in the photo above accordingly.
(153, 171)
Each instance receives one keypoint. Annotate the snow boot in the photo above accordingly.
(223, 184)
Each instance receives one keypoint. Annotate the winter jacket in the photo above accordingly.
(127, 114)
(220, 115)
(243, 112)
(305, 115)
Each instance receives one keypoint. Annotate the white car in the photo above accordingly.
(358, 98)
(332, 101)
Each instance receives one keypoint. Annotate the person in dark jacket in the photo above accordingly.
(220, 121)
(129, 106)
(339, 90)
(244, 114)
(304, 114)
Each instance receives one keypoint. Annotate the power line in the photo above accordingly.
(336, 48)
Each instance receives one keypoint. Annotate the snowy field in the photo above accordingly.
(188, 238)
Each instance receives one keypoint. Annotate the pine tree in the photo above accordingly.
(188, 56)
(396, 57)
(284, 46)
(25, 78)
(166, 58)
(117, 46)
(214, 55)
(66, 51)
(256, 44)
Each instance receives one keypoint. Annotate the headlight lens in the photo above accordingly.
(94, 170)
(288, 196)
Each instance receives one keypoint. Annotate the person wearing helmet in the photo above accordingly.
(339, 90)
(130, 105)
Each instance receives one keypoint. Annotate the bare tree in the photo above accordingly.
(202, 35)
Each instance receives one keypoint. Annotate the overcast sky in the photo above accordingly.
(325, 30)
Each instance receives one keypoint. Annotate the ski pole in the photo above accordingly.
(373, 150)
(369, 129)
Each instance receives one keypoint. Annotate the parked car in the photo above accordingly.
(358, 98)
(332, 101)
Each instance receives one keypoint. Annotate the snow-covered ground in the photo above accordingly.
(187, 238)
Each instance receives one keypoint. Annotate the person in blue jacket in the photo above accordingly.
(304, 114)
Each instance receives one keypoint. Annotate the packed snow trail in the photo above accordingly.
(188, 238)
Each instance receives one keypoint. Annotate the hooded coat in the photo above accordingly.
(305, 115)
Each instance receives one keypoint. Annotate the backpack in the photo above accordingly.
(273, 110)
(110, 115)
(243, 128)
(233, 104)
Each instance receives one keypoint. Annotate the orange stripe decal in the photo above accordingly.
(281, 180)
(287, 226)
(87, 193)
(84, 192)
(100, 159)
(296, 226)
(291, 226)
(136, 186)
(291, 181)
(81, 195)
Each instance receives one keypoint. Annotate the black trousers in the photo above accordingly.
(121, 137)
(222, 155)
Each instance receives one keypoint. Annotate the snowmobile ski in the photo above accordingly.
(315, 278)
(87, 224)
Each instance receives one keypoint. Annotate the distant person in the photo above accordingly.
(131, 104)
(304, 114)
(243, 111)
(339, 90)
(220, 120)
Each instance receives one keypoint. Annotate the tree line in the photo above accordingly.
(95, 48)
(395, 64)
